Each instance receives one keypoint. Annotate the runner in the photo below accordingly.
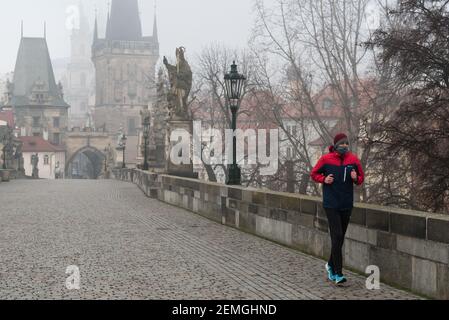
(338, 171)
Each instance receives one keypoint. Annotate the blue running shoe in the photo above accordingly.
(339, 279)
(330, 273)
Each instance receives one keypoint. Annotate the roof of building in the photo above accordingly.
(340, 126)
(8, 117)
(38, 144)
(124, 22)
(34, 70)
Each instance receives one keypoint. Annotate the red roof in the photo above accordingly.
(38, 144)
(8, 116)
(339, 127)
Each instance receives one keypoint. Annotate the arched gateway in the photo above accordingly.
(86, 153)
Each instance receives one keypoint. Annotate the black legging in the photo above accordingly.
(338, 224)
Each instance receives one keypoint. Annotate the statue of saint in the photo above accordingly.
(9, 90)
(145, 115)
(180, 77)
(35, 162)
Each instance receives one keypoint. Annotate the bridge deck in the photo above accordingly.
(130, 247)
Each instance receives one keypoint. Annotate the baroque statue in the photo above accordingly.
(35, 162)
(180, 77)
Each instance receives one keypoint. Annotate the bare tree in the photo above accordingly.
(211, 106)
(318, 45)
(414, 46)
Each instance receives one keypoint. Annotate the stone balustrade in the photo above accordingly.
(410, 248)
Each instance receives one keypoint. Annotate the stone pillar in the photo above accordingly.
(180, 170)
(290, 172)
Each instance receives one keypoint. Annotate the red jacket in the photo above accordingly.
(340, 194)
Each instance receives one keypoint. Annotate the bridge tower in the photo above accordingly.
(125, 62)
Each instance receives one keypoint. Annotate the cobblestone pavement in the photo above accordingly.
(130, 247)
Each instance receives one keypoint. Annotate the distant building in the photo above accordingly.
(35, 98)
(51, 158)
(79, 80)
(3, 86)
(125, 63)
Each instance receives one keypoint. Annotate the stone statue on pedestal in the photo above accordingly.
(179, 120)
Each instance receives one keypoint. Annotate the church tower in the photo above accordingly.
(125, 63)
(80, 72)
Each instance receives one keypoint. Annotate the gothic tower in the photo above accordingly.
(37, 101)
(80, 73)
(125, 63)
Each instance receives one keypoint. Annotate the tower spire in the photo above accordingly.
(96, 27)
(83, 21)
(155, 31)
(21, 29)
(108, 23)
(45, 30)
(124, 21)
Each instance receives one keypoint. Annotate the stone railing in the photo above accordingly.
(7, 174)
(410, 248)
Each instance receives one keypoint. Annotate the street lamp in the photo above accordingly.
(122, 145)
(146, 135)
(106, 150)
(234, 85)
(4, 158)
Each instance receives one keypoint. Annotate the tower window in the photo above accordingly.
(36, 121)
(46, 160)
(56, 138)
(328, 104)
(83, 80)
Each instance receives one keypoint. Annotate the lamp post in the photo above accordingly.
(105, 160)
(122, 145)
(146, 134)
(234, 85)
(4, 158)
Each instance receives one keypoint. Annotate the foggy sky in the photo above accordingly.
(189, 23)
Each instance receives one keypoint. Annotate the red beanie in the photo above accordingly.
(339, 137)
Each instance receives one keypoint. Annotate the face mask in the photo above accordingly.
(342, 150)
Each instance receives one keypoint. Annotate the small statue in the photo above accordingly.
(9, 90)
(180, 77)
(58, 171)
(61, 89)
(35, 162)
(145, 115)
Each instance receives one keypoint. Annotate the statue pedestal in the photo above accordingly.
(4, 175)
(179, 170)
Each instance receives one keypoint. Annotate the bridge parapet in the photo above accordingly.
(411, 248)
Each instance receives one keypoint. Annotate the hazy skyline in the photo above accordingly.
(192, 24)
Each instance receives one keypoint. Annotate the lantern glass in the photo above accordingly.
(234, 85)
(146, 127)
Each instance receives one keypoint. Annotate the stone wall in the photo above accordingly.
(411, 248)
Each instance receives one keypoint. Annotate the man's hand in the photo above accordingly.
(329, 179)
(354, 175)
